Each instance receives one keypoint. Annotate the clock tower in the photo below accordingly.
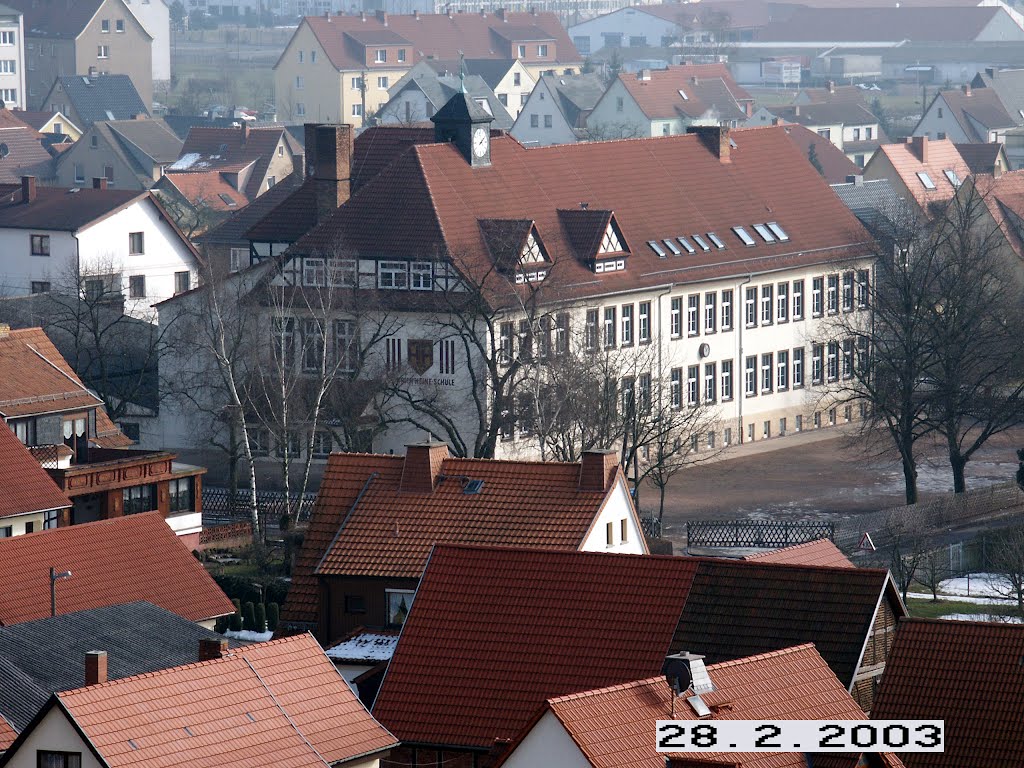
(465, 123)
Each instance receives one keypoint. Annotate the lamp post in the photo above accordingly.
(56, 576)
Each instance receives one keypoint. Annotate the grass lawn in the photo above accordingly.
(928, 609)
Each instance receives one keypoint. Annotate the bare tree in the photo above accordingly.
(1007, 560)
(933, 570)
(907, 546)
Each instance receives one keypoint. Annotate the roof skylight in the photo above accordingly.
(743, 235)
(657, 248)
(953, 178)
(700, 241)
(686, 244)
(764, 232)
(671, 246)
(714, 239)
(778, 231)
(926, 180)
(226, 199)
(682, 93)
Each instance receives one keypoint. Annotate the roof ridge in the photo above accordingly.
(790, 650)
(606, 689)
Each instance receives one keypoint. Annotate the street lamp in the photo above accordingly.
(56, 576)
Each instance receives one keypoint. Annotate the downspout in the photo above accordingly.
(740, 302)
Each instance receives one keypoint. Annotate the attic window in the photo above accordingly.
(926, 180)
(700, 241)
(532, 252)
(714, 239)
(657, 248)
(953, 178)
(778, 231)
(743, 235)
(682, 93)
(226, 200)
(686, 244)
(110, 115)
(473, 487)
(765, 234)
(671, 246)
(610, 242)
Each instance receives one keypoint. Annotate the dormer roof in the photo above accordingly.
(513, 242)
(593, 233)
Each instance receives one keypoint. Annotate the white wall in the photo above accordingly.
(608, 121)
(19, 268)
(53, 733)
(407, 106)
(514, 93)
(547, 745)
(630, 22)
(939, 118)
(542, 102)
(617, 507)
(17, 522)
(14, 80)
(155, 16)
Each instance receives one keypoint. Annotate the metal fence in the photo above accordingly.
(767, 534)
(651, 527)
(221, 506)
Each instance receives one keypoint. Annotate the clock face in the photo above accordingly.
(480, 142)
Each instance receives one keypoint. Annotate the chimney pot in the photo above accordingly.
(362, 15)
(28, 189)
(99, 183)
(644, 74)
(716, 138)
(416, 15)
(212, 648)
(422, 466)
(501, 14)
(95, 667)
(598, 470)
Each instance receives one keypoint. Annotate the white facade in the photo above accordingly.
(939, 122)
(104, 247)
(514, 88)
(617, 115)
(54, 733)
(547, 745)
(626, 27)
(616, 528)
(155, 17)
(541, 122)
(12, 60)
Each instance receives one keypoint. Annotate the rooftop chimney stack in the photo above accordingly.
(28, 189)
(992, 72)
(598, 470)
(831, 86)
(245, 131)
(382, 17)
(500, 13)
(212, 648)
(99, 183)
(920, 146)
(643, 75)
(95, 667)
(715, 138)
(5, 330)
(966, 88)
(329, 165)
(416, 15)
(422, 467)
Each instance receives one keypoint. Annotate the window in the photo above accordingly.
(727, 310)
(710, 311)
(46, 759)
(798, 299)
(710, 382)
(105, 25)
(422, 273)
(341, 273)
(289, 446)
(618, 104)
(832, 300)
(535, 121)
(79, 173)
(926, 180)
(609, 327)
(312, 345)
(847, 358)
(141, 498)
(817, 288)
(782, 370)
(609, 534)
(9, 67)
(382, 82)
(766, 372)
(102, 51)
(357, 110)
(259, 440)
(627, 325)
(392, 353)
(726, 380)
(766, 304)
(399, 604)
(40, 245)
(547, 121)
(750, 376)
(676, 388)
(798, 367)
(643, 392)
(676, 318)
(119, 25)
(750, 308)
(817, 359)
(562, 332)
(782, 303)
(825, 133)
(401, 54)
(686, 244)
(799, 425)
(6, 38)
(526, 413)
(833, 360)
(863, 287)
(182, 281)
(51, 520)
(392, 275)
(40, 286)
(94, 141)
(137, 287)
(355, 604)
(542, 51)
(590, 332)
(446, 357)
(108, 174)
(381, 55)
(766, 430)
(314, 272)
(346, 346)
(300, 82)
(182, 494)
(24, 430)
(357, 83)
(868, 131)
(300, 109)
(520, 51)
(847, 291)
(136, 243)
(693, 314)
(692, 372)
(656, 247)
(743, 235)
(283, 333)
(624, 530)
(645, 322)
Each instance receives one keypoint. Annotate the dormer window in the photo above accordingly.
(532, 252)
(610, 242)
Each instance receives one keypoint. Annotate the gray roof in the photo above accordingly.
(871, 200)
(440, 89)
(577, 95)
(152, 137)
(38, 658)
(492, 71)
(1008, 85)
(107, 97)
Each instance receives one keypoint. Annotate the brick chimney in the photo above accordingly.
(992, 72)
(919, 144)
(95, 667)
(99, 183)
(382, 17)
(966, 88)
(329, 165)
(500, 13)
(28, 189)
(212, 648)
(715, 138)
(598, 469)
(245, 131)
(422, 467)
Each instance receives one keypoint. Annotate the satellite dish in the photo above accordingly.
(677, 673)
(704, 349)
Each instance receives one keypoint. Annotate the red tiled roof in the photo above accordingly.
(7, 734)
(112, 562)
(820, 552)
(612, 726)
(650, 184)
(205, 188)
(835, 166)
(378, 146)
(705, 86)
(35, 378)
(906, 162)
(232, 149)
(495, 632)
(851, 24)
(26, 487)
(472, 665)
(964, 672)
(280, 704)
(437, 35)
(1003, 195)
(391, 530)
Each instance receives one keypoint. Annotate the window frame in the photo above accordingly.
(393, 269)
(726, 304)
(40, 245)
(136, 243)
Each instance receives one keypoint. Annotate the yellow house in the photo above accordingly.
(339, 68)
(50, 121)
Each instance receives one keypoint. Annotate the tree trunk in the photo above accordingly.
(958, 464)
(910, 479)
(661, 501)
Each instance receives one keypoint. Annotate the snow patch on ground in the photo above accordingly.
(981, 584)
(249, 635)
(984, 617)
(960, 598)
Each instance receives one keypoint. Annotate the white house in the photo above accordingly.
(556, 112)
(116, 243)
(155, 17)
(12, 58)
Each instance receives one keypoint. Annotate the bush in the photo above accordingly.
(273, 616)
(221, 625)
(241, 588)
(261, 617)
(249, 617)
(235, 622)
